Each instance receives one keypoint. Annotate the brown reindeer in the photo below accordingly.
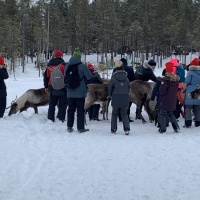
(140, 95)
(31, 98)
(98, 93)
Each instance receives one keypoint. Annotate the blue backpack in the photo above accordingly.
(180, 71)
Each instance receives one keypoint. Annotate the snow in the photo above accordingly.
(40, 160)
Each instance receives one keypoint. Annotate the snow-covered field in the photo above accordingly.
(40, 160)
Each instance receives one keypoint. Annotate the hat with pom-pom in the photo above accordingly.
(195, 61)
(2, 61)
(118, 63)
(169, 67)
(77, 53)
(57, 53)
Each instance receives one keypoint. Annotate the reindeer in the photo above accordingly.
(98, 93)
(140, 95)
(31, 98)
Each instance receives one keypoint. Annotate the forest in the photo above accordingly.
(160, 27)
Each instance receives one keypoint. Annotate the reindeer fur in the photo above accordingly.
(140, 95)
(31, 98)
(97, 93)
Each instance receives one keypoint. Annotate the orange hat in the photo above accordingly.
(175, 62)
(2, 61)
(195, 61)
(169, 67)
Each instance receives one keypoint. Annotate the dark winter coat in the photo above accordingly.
(85, 75)
(156, 93)
(118, 89)
(168, 91)
(3, 75)
(145, 73)
(192, 80)
(95, 79)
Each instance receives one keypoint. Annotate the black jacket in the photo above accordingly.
(3, 75)
(145, 73)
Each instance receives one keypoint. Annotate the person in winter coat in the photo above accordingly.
(131, 77)
(56, 96)
(192, 80)
(145, 72)
(118, 90)
(93, 110)
(76, 96)
(3, 93)
(168, 96)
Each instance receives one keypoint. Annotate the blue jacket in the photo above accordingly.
(192, 80)
(156, 93)
(84, 73)
(3, 75)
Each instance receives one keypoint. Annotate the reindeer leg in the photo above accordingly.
(36, 110)
(138, 113)
(104, 110)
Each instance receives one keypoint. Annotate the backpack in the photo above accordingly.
(72, 77)
(57, 78)
(180, 71)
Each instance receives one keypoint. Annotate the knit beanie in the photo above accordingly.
(169, 67)
(175, 62)
(77, 53)
(57, 53)
(152, 62)
(118, 64)
(2, 61)
(195, 61)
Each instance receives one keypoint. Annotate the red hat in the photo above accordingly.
(169, 67)
(195, 61)
(175, 62)
(2, 61)
(90, 66)
(57, 53)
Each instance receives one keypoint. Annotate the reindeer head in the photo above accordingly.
(13, 107)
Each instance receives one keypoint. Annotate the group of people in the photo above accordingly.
(72, 100)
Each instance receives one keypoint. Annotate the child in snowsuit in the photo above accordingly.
(118, 90)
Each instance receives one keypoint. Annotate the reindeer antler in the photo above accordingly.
(12, 102)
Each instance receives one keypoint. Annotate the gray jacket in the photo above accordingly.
(119, 88)
(84, 73)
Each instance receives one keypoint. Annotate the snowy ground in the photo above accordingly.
(40, 160)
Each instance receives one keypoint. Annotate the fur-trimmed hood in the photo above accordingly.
(169, 77)
(147, 66)
(194, 67)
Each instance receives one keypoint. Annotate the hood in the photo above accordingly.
(194, 67)
(74, 60)
(120, 75)
(56, 61)
(169, 77)
(147, 66)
